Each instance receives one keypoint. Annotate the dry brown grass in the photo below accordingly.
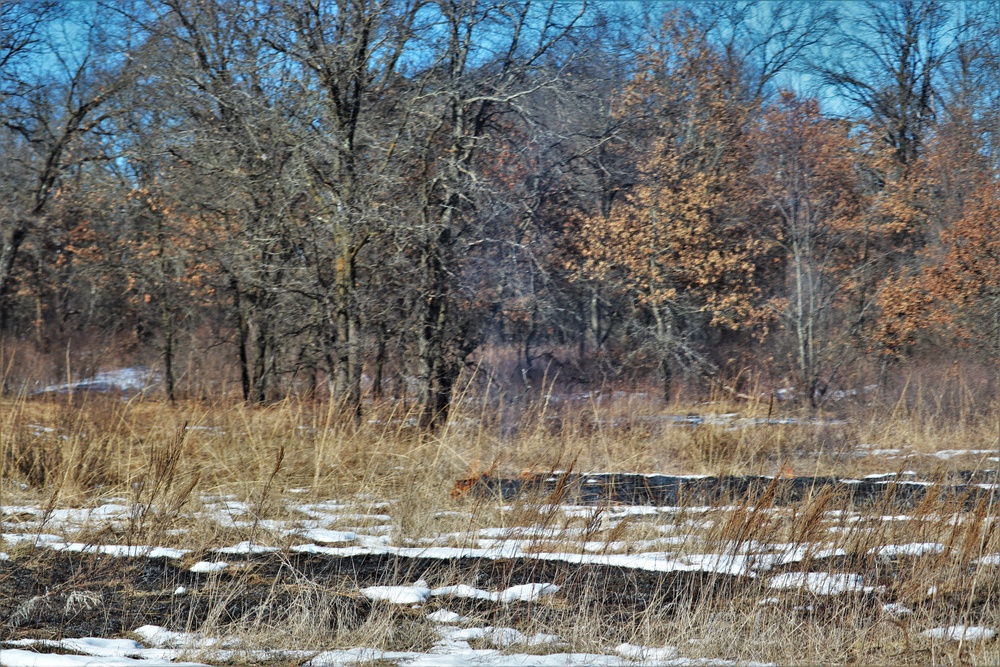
(165, 460)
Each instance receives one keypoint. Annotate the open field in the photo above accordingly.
(224, 534)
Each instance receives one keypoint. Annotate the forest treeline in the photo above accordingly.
(360, 197)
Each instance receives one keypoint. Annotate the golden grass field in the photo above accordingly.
(172, 461)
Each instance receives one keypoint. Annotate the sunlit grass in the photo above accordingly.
(170, 462)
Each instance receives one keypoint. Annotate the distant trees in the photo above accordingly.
(487, 60)
(353, 198)
(683, 239)
(346, 60)
(48, 114)
(806, 178)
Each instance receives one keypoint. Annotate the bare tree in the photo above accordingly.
(890, 58)
(350, 57)
(46, 111)
(484, 59)
(225, 135)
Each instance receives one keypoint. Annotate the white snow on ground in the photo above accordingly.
(397, 594)
(646, 653)
(459, 638)
(374, 518)
(463, 591)
(521, 531)
(745, 564)
(161, 637)
(818, 583)
(418, 593)
(445, 616)
(956, 633)
(120, 550)
(244, 548)
(526, 592)
(453, 648)
(126, 380)
(22, 658)
(69, 518)
(105, 648)
(443, 655)
(912, 549)
(896, 609)
(328, 536)
(739, 564)
(468, 658)
(205, 566)
(35, 539)
(952, 453)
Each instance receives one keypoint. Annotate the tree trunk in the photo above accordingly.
(378, 373)
(595, 321)
(8, 255)
(347, 379)
(264, 351)
(434, 384)
(243, 340)
(167, 323)
(664, 331)
(667, 376)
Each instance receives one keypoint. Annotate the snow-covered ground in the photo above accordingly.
(134, 380)
(161, 647)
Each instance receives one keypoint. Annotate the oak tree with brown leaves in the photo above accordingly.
(682, 239)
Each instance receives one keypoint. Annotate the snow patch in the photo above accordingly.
(646, 653)
(126, 380)
(527, 592)
(22, 658)
(912, 549)
(946, 454)
(205, 566)
(960, 633)
(417, 594)
(328, 536)
(245, 548)
(445, 616)
(120, 550)
(397, 594)
(818, 583)
(464, 591)
(896, 609)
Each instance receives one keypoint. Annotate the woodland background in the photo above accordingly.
(403, 199)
